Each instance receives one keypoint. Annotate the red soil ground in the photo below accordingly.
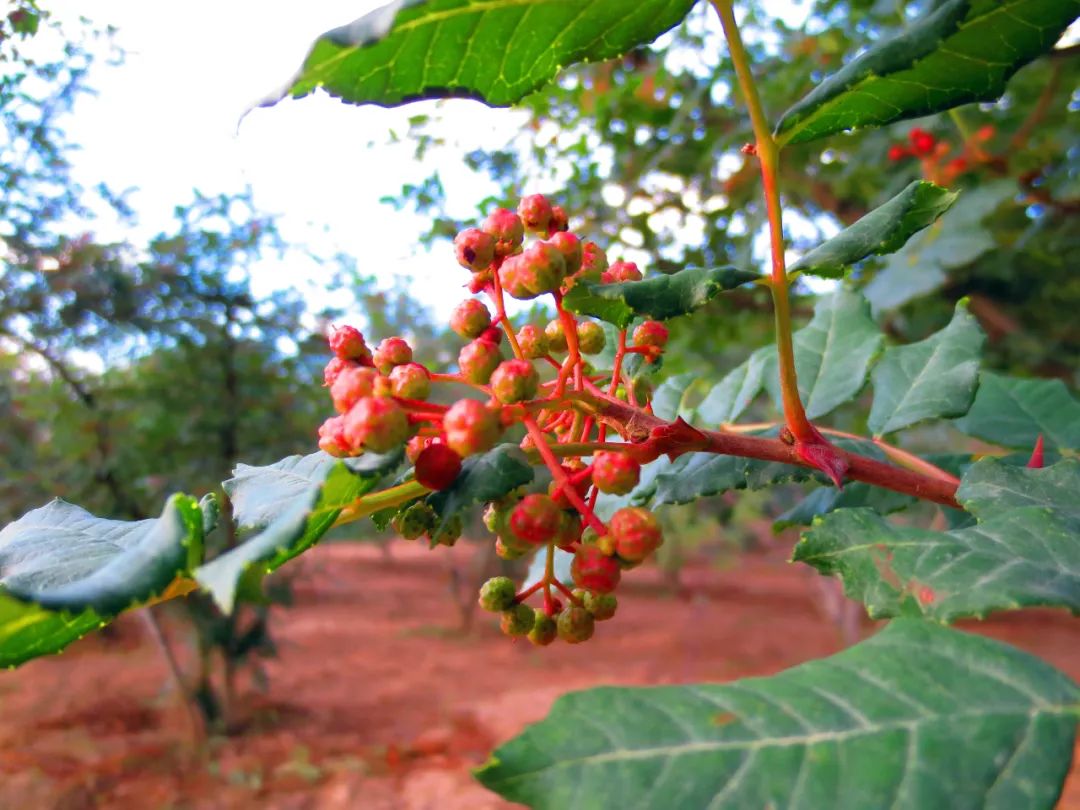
(375, 702)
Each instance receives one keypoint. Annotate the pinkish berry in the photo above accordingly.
(410, 381)
(559, 220)
(575, 624)
(474, 249)
(334, 368)
(332, 438)
(470, 318)
(545, 268)
(536, 519)
(506, 229)
(415, 446)
(471, 427)
(533, 342)
(477, 360)
(615, 473)
(594, 570)
(635, 532)
(512, 276)
(621, 271)
(376, 424)
(593, 262)
(514, 381)
(535, 213)
(352, 384)
(651, 333)
(555, 336)
(570, 247)
(347, 343)
(393, 351)
(437, 467)
(492, 334)
(590, 336)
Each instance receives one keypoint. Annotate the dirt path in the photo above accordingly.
(374, 702)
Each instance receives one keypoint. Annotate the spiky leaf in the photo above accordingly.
(862, 730)
(958, 52)
(659, 297)
(1014, 412)
(496, 51)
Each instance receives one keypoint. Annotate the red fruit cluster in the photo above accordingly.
(941, 163)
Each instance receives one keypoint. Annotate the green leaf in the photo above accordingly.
(730, 397)
(1013, 412)
(496, 51)
(833, 353)
(28, 631)
(61, 557)
(991, 486)
(884, 230)
(484, 477)
(934, 378)
(659, 297)
(854, 494)
(290, 505)
(960, 51)
(669, 399)
(916, 717)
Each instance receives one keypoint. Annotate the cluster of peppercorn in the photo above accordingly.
(382, 400)
(940, 163)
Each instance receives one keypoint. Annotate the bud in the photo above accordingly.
(651, 333)
(615, 473)
(555, 335)
(414, 520)
(410, 381)
(594, 570)
(570, 247)
(590, 337)
(347, 343)
(393, 351)
(533, 342)
(477, 360)
(506, 229)
(535, 213)
(497, 594)
(517, 620)
(575, 624)
(437, 467)
(470, 318)
(474, 249)
(536, 519)
(351, 385)
(635, 532)
(376, 424)
(471, 427)
(515, 381)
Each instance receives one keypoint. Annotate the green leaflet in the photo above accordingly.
(669, 399)
(854, 494)
(730, 397)
(289, 505)
(884, 230)
(959, 52)
(1013, 412)
(865, 729)
(934, 378)
(496, 51)
(485, 477)
(1023, 551)
(659, 297)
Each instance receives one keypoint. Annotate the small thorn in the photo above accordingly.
(1037, 462)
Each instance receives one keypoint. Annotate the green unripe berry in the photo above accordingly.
(544, 629)
(506, 552)
(497, 594)
(602, 606)
(591, 338)
(514, 381)
(533, 342)
(555, 336)
(414, 521)
(575, 624)
(450, 532)
(517, 620)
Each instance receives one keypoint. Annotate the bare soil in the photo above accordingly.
(377, 700)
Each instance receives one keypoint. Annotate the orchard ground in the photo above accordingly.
(377, 700)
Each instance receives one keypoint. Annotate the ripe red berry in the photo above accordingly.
(590, 336)
(559, 221)
(594, 570)
(470, 318)
(475, 249)
(393, 351)
(533, 342)
(352, 384)
(348, 343)
(897, 152)
(535, 213)
(471, 427)
(332, 437)
(570, 247)
(536, 519)
(922, 142)
(635, 532)
(410, 381)
(615, 473)
(377, 424)
(437, 467)
(506, 228)
(514, 381)
(621, 271)
(477, 360)
(651, 333)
